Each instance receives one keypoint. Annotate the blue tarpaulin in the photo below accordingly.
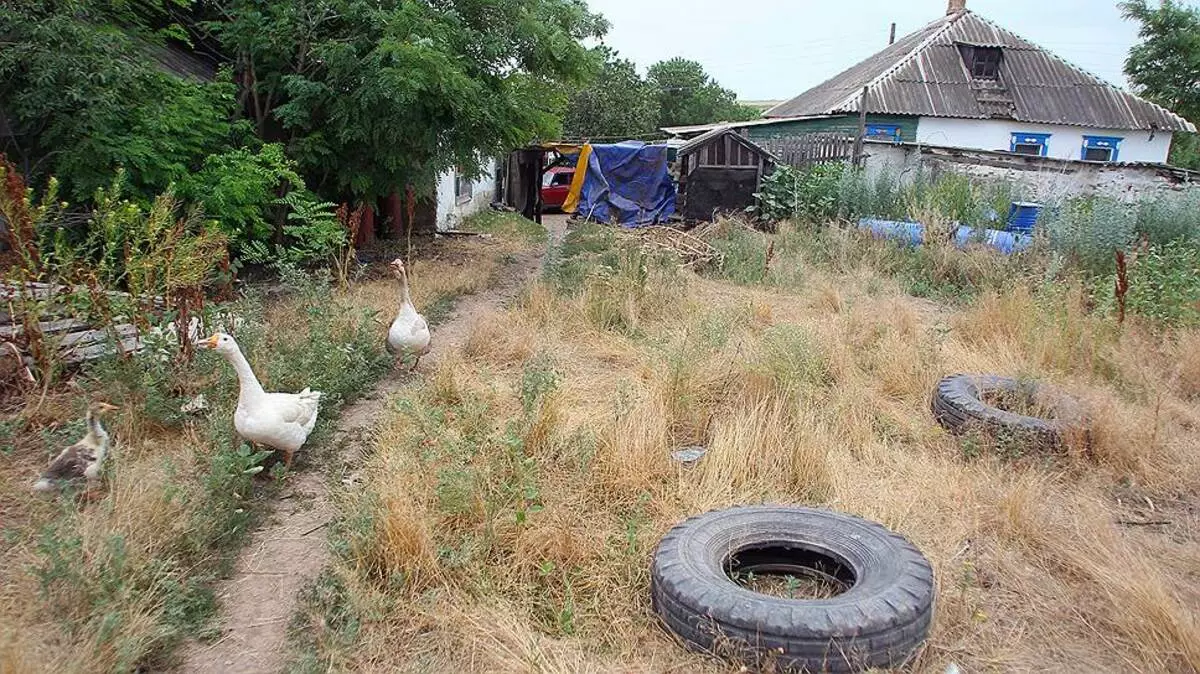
(627, 184)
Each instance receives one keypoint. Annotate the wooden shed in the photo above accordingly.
(720, 171)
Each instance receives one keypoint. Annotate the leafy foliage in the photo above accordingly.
(687, 95)
(1165, 66)
(154, 254)
(371, 96)
(801, 194)
(1163, 284)
(83, 91)
(314, 234)
(236, 185)
(617, 104)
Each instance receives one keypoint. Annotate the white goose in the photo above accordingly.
(409, 333)
(281, 421)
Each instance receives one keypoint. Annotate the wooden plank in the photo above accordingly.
(862, 127)
(75, 340)
(96, 351)
(48, 328)
(45, 291)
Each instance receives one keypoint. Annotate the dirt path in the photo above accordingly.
(289, 548)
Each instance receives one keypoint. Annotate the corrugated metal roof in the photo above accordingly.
(923, 74)
(702, 128)
(180, 61)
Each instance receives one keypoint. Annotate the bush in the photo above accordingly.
(238, 187)
(1169, 217)
(811, 194)
(1164, 284)
(163, 258)
(827, 192)
(314, 234)
(1089, 230)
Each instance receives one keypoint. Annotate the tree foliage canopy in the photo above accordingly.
(616, 103)
(1164, 66)
(687, 95)
(369, 95)
(620, 103)
(83, 94)
(365, 96)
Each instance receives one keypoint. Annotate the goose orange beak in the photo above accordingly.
(210, 343)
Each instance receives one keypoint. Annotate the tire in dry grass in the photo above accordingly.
(879, 619)
(961, 403)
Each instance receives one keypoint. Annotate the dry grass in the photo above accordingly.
(515, 499)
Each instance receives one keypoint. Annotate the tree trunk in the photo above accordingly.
(366, 233)
(395, 215)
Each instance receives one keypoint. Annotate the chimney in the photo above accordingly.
(956, 6)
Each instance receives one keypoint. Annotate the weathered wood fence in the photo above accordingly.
(75, 340)
(813, 148)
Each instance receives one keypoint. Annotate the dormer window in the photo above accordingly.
(983, 63)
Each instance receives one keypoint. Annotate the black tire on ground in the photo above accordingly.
(958, 405)
(880, 621)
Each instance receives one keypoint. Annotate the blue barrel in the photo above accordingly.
(910, 233)
(1023, 216)
(1005, 242)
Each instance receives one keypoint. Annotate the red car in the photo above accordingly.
(556, 184)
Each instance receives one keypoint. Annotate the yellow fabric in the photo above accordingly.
(572, 201)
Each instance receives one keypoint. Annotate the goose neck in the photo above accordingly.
(248, 383)
(405, 298)
(96, 432)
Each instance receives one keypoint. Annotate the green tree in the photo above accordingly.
(1164, 66)
(616, 103)
(687, 95)
(371, 95)
(84, 96)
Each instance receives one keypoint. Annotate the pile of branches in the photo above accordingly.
(691, 249)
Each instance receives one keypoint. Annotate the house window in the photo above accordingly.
(463, 187)
(889, 132)
(983, 63)
(1034, 144)
(1100, 148)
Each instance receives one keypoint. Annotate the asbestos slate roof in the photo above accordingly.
(923, 74)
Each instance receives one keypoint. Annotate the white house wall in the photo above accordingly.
(1065, 142)
(451, 209)
(1042, 180)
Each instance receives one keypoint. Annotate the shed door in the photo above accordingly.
(713, 189)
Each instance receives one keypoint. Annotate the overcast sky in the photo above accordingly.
(776, 49)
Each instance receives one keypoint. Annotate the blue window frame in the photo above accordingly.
(1100, 148)
(884, 132)
(1034, 144)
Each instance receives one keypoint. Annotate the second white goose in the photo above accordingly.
(408, 335)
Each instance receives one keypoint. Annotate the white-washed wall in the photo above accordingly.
(1046, 180)
(1065, 142)
(451, 209)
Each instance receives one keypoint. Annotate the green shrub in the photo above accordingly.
(810, 194)
(240, 186)
(1090, 229)
(1167, 217)
(1164, 284)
